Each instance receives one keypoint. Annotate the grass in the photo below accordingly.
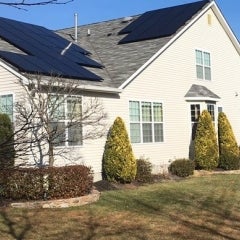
(195, 208)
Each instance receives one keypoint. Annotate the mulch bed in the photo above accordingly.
(105, 185)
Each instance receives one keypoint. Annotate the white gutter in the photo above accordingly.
(166, 46)
(100, 89)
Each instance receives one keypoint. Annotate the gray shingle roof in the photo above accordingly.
(120, 60)
(198, 91)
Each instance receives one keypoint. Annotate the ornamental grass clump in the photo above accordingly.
(205, 145)
(228, 147)
(119, 163)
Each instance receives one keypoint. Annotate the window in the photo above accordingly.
(220, 109)
(203, 65)
(6, 105)
(195, 113)
(211, 110)
(146, 122)
(65, 113)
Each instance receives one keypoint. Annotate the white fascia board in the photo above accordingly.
(202, 99)
(226, 27)
(14, 72)
(100, 89)
(215, 10)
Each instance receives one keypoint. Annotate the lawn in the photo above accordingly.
(195, 208)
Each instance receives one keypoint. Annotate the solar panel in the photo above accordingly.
(160, 23)
(34, 65)
(42, 49)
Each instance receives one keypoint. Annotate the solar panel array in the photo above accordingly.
(43, 48)
(160, 23)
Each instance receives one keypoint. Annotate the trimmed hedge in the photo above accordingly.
(182, 167)
(144, 171)
(45, 183)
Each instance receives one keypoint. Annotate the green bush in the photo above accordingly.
(229, 162)
(45, 183)
(228, 147)
(119, 163)
(144, 171)
(7, 152)
(205, 144)
(182, 167)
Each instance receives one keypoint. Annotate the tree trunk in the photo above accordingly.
(51, 155)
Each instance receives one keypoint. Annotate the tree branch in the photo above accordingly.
(28, 3)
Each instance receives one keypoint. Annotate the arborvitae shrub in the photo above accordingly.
(182, 167)
(144, 171)
(228, 147)
(119, 163)
(7, 152)
(205, 145)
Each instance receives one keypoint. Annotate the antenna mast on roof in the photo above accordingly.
(76, 27)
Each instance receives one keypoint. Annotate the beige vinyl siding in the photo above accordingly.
(8, 81)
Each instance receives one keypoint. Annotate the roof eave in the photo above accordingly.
(226, 26)
(202, 99)
(100, 89)
(14, 72)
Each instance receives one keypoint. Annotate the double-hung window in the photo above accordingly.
(65, 113)
(203, 65)
(6, 105)
(195, 113)
(211, 110)
(146, 121)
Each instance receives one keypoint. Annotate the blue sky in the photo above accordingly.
(90, 11)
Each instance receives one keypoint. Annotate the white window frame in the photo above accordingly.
(194, 123)
(212, 111)
(141, 122)
(203, 65)
(13, 101)
(66, 120)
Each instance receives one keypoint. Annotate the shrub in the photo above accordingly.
(182, 167)
(144, 171)
(119, 163)
(228, 147)
(69, 181)
(205, 145)
(7, 152)
(45, 183)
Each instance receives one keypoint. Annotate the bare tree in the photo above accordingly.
(52, 116)
(27, 3)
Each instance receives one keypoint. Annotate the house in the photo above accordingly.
(157, 70)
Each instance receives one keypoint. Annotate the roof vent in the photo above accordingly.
(88, 32)
(127, 19)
